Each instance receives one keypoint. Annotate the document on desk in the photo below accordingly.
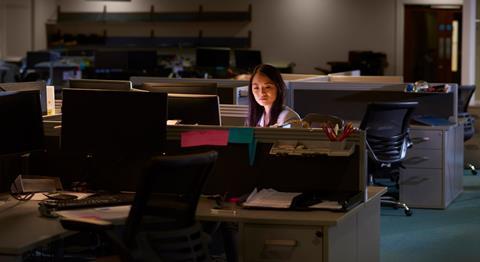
(269, 198)
(102, 213)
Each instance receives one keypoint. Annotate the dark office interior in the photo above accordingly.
(127, 130)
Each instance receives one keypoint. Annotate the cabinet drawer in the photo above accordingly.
(423, 158)
(421, 187)
(431, 139)
(281, 243)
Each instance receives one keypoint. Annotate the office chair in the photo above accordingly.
(315, 120)
(161, 225)
(386, 125)
(465, 93)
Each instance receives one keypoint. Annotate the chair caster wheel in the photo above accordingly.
(408, 213)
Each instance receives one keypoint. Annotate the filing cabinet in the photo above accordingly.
(433, 173)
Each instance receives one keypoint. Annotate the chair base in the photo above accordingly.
(391, 201)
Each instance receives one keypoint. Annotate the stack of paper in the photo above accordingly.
(269, 198)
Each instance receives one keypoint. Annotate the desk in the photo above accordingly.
(23, 229)
(307, 236)
(318, 235)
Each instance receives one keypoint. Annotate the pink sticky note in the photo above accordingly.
(204, 138)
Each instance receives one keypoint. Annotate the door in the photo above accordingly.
(432, 44)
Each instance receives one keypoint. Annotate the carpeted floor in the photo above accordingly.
(435, 235)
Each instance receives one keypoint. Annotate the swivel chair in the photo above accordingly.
(315, 120)
(465, 93)
(386, 125)
(161, 225)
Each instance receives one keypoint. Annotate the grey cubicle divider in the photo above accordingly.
(234, 173)
(348, 100)
(227, 88)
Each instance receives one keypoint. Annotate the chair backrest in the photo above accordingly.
(465, 93)
(318, 120)
(168, 193)
(387, 125)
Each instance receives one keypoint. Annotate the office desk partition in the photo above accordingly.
(237, 175)
(228, 89)
(434, 165)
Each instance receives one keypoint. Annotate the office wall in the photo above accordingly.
(2, 27)
(306, 32)
(16, 33)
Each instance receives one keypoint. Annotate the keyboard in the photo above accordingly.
(47, 206)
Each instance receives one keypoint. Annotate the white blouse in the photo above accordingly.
(285, 116)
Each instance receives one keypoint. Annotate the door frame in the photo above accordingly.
(468, 35)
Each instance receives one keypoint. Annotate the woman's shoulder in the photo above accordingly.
(286, 115)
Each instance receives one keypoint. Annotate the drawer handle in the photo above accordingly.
(281, 242)
(416, 140)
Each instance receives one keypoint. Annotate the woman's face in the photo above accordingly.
(264, 90)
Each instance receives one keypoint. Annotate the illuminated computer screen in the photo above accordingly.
(194, 109)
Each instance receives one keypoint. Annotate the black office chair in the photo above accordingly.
(161, 225)
(465, 93)
(315, 120)
(386, 125)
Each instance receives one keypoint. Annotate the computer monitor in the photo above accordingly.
(118, 85)
(22, 126)
(247, 59)
(29, 86)
(35, 57)
(182, 88)
(194, 109)
(101, 121)
(111, 60)
(213, 57)
(142, 60)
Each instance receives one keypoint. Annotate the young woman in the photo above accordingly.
(266, 96)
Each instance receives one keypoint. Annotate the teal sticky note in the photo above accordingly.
(240, 135)
(252, 149)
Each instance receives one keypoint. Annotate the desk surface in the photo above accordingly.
(24, 229)
(287, 217)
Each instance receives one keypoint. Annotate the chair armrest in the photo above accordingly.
(86, 224)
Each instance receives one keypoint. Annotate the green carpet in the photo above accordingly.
(435, 235)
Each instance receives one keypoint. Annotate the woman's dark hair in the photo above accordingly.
(255, 110)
